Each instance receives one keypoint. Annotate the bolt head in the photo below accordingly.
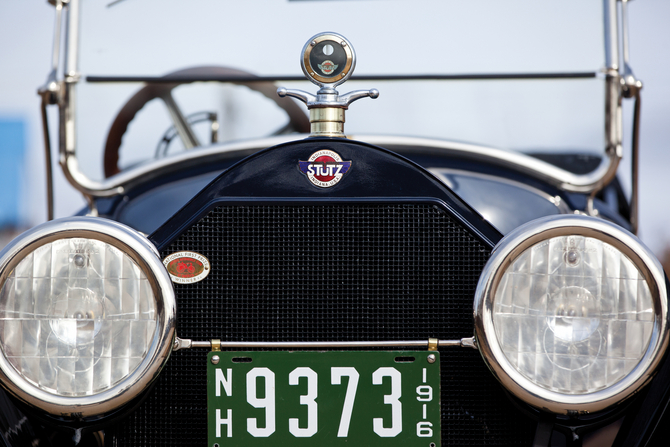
(431, 358)
(572, 257)
(215, 360)
(79, 260)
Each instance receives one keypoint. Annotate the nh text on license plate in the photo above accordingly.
(352, 398)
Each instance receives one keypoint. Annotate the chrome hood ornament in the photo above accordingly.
(328, 60)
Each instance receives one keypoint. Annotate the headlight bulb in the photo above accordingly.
(574, 314)
(76, 316)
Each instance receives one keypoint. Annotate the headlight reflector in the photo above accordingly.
(86, 315)
(570, 313)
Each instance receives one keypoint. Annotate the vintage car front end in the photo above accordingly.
(318, 288)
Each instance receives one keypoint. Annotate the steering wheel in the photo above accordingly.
(298, 120)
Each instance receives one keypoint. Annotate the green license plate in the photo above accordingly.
(353, 398)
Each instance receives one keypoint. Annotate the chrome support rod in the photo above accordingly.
(68, 104)
(611, 34)
(624, 26)
(188, 344)
(635, 167)
(50, 94)
(47, 159)
(613, 112)
(631, 87)
(55, 54)
(72, 40)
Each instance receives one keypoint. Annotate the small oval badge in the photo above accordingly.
(186, 267)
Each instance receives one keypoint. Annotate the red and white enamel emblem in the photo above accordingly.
(324, 168)
(186, 267)
(327, 67)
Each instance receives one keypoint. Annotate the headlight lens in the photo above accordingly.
(571, 313)
(86, 315)
(76, 317)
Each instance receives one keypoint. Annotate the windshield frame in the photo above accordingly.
(589, 183)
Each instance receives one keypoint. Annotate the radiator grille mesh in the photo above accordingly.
(330, 272)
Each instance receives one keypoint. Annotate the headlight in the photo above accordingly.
(570, 314)
(86, 316)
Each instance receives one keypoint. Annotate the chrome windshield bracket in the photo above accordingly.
(72, 78)
(62, 92)
(620, 83)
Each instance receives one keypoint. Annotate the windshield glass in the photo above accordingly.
(415, 37)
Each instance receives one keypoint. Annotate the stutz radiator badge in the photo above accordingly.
(324, 168)
(186, 267)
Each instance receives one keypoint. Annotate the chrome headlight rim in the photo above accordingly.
(513, 245)
(142, 252)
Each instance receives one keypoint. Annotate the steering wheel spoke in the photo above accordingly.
(184, 130)
(298, 121)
